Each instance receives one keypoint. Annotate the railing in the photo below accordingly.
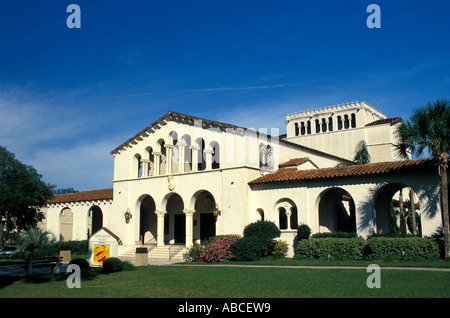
(177, 250)
(150, 244)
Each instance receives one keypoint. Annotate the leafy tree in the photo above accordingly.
(64, 191)
(429, 129)
(361, 157)
(22, 194)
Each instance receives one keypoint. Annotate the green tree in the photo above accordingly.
(22, 194)
(361, 157)
(429, 129)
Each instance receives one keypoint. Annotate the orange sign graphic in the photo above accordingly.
(101, 252)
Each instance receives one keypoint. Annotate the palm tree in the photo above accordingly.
(429, 129)
(31, 241)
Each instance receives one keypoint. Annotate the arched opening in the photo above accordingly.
(259, 214)
(187, 153)
(297, 130)
(150, 164)
(330, 123)
(317, 126)
(95, 220)
(308, 127)
(175, 222)
(137, 166)
(353, 121)
(336, 211)
(397, 210)
(287, 214)
(200, 143)
(205, 205)
(173, 140)
(162, 157)
(302, 129)
(147, 220)
(346, 122)
(65, 224)
(215, 156)
(324, 125)
(339, 122)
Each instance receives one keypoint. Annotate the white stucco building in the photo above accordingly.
(183, 179)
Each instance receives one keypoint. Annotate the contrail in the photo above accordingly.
(200, 90)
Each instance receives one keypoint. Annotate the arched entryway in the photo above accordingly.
(397, 210)
(206, 214)
(175, 220)
(147, 220)
(65, 224)
(336, 209)
(95, 219)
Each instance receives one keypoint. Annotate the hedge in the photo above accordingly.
(336, 248)
(376, 248)
(409, 248)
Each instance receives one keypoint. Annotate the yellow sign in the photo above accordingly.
(101, 252)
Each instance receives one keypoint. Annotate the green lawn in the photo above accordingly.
(234, 282)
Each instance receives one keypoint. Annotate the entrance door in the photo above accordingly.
(180, 228)
(207, 225)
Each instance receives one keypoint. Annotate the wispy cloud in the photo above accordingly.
(203, 90)
(47, 135)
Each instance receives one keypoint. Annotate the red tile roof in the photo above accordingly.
(295, 162)
(384, 121)
(89, 195)
(292, 174)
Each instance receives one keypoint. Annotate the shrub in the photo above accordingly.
(280, 249)
(219, 249)
(82, 262)
(334, 235)
(303, 232)
(112, 264)
(194, 253)
(337, 248)
(249, 248)
(408, 248)
(265, 230)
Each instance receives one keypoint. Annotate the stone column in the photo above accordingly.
(288, 216)
(209, 153)
(189, 227)
(169, 148)
(145, 167)
(181, 148)
(194, 156)
(160, 228)
(157, 161)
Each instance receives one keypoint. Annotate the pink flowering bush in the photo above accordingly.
(218, 249)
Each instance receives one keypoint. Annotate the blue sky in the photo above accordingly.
(70, 96)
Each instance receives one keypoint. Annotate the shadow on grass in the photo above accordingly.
(86, 275)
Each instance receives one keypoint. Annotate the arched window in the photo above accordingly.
(308, 127)
(260, 214)
(215, 160)
(282, 218)
(324, 125)
(297, 131)
(138, 164)
(150, 164)
(339, 122)
(317, 126)
(200, 143)
(330, 123)
(302, 129)
(353, 121)
(346, 122)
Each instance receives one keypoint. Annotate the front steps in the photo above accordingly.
(166, 252)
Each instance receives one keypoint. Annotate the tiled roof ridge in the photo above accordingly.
(87, 195)
(390, 121)
(292, 174)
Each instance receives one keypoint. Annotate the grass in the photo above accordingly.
(233, 282)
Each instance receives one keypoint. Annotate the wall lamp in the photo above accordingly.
(127, 216)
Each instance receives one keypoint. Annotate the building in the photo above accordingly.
(183, 179)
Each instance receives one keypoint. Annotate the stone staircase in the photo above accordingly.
(166, 252)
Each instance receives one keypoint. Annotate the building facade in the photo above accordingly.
(183, 179)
